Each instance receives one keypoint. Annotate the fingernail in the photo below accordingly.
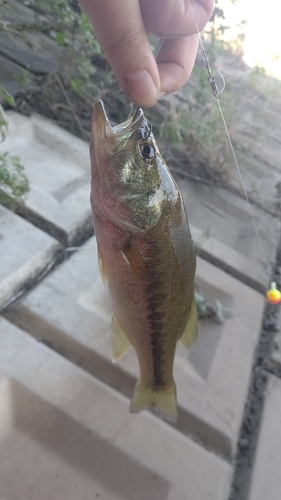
(142, 89)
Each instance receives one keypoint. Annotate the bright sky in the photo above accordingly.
(263, 33)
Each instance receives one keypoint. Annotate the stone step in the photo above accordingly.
(71, 312)
(224, 218)
(25, 252)
(66, 435)
(247, 270)
(58, 169)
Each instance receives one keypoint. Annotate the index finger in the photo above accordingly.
(175, 62)
(122, 35)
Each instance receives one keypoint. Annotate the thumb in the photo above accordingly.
(119, 28)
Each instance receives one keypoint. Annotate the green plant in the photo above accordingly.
(82, 66)
(12, 177)
(13, 181)
(215, 33)
(196, 130)
(192, 125)
(193, 122)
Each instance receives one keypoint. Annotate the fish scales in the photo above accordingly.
(146, 254)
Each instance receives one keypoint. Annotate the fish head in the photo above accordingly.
(130, 180)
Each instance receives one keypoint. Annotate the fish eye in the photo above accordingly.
(147, 151)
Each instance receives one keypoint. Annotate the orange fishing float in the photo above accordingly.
(273, 295)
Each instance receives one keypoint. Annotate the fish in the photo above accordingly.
(146, 254)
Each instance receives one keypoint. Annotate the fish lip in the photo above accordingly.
(102, 127)
(130, 124)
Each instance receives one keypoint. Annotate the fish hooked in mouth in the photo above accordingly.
(146, 254)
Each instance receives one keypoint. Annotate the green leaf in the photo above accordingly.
(7, 96)
(76, 84)
(85, 23)
(60, 38)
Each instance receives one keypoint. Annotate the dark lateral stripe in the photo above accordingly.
(155, 295)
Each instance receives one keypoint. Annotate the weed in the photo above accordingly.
(12, 176)
(13, 181)
(191, 125)
(83, 68)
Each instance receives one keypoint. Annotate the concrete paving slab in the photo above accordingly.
(58, 168)
(225, 217)
(70, 310)
(66, 435)
(25, 252)
(266, 479)
(246, 270)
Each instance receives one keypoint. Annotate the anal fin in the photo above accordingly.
(190, 332)
(119, 341)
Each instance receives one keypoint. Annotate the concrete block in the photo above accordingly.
(71, 311)
(225, 217)
(66, 435)
(266, 478)
(25, 252)
(246, 270)
(58, 168)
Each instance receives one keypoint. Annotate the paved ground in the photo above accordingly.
(65, 429)
(69, 312)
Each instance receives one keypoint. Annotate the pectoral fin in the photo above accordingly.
(119, 341)
(102, 268)
(135, 259)
(190, 332)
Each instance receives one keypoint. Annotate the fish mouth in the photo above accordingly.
(131, 124)
(102, 127)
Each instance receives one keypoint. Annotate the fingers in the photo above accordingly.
(175, 62)
(121, 26)
(176, 18)
(122, 35)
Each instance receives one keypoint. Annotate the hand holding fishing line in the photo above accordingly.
(121, 28)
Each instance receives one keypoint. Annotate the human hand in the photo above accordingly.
(121, 27)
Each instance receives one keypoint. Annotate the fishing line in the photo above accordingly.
(216, 94)
(273, 295)
(242, 182)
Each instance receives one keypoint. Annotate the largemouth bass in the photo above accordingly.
(146, 254)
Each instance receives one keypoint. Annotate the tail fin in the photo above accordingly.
(163, 402)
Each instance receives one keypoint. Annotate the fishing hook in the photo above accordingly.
(213, 84)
